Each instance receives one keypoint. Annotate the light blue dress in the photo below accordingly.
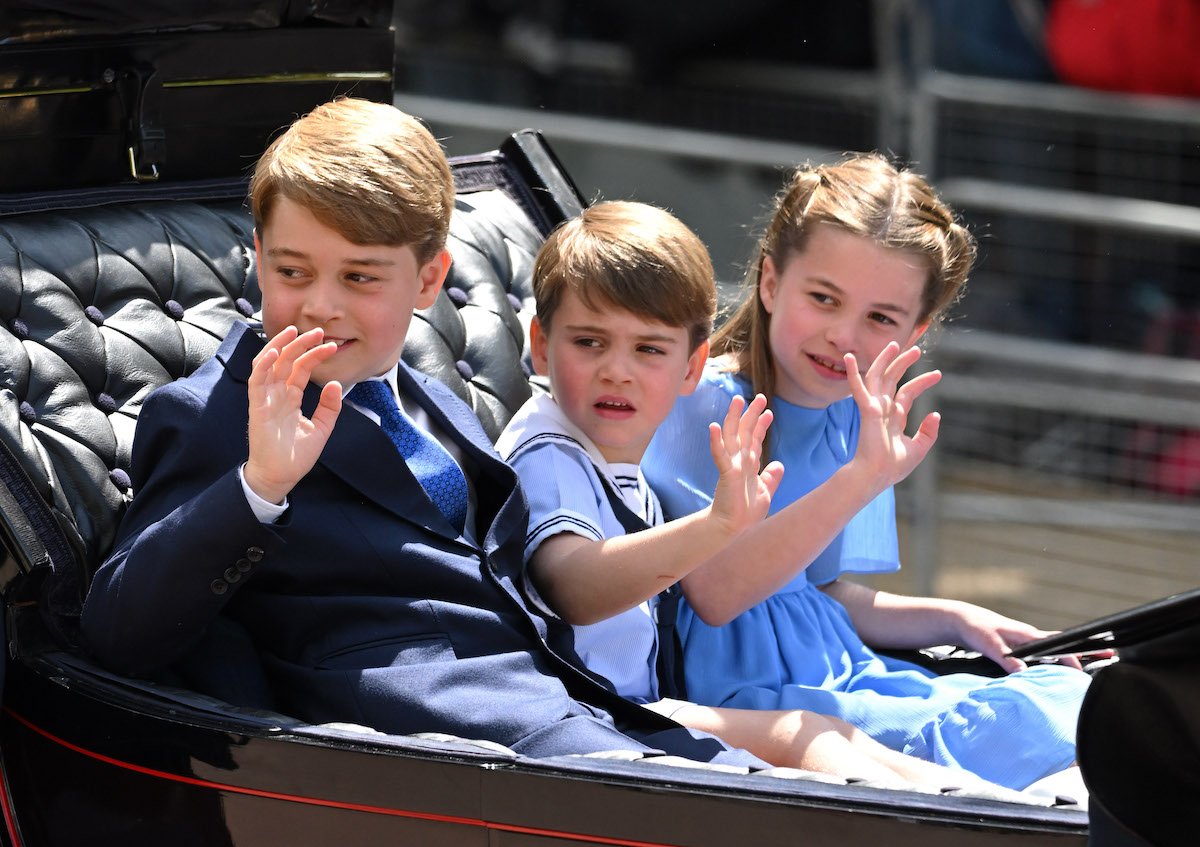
(798, 649)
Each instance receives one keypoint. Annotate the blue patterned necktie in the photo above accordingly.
(431, 464)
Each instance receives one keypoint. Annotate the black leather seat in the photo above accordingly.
(99, 306)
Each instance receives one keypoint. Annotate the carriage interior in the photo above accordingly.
(104, 296)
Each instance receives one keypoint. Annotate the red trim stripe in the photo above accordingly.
(311, 801)
(10, 820)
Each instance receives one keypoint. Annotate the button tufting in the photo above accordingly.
(27, 413)
(464, 370)
(219, 586)
(244, 306)
(19, 328)
(515, 301)
(120, 479)
(94, 315)
(174, 309)
(105, 403)
(457, 296)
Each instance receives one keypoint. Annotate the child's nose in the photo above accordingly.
(842, 334)
(321, 302)
(614, 367)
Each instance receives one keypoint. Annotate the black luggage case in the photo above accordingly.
(105, 102)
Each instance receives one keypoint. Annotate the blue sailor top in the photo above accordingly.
(563, 475)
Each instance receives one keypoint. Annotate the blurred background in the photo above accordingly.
(1066, 483)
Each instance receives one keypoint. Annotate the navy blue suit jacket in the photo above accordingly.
(365, 604)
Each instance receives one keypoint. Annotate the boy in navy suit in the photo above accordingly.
(348, 512)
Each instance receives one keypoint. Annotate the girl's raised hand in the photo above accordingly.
(284, 444)
(743, 494)
(883, 406)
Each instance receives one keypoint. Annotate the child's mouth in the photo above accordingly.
(611, 407)
(827, 367)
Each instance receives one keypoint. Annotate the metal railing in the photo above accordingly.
(1052, 458)
(646, 138)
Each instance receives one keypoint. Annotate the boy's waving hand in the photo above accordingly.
(743, 493)
(284, 444)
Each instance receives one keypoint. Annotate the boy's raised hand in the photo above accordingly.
(284, 444)
(743, 493)
(883, 406)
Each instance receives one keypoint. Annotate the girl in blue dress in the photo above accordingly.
(858, 261)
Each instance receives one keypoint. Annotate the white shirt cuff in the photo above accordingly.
(264, 510)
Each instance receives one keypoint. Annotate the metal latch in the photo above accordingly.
(140, 91)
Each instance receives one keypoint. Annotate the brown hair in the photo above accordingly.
(631, 256)
(367, 170)
(866, 195)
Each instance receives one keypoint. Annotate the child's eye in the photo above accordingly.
(587, 342)
(881, 318)
(360, 278)
(289, 273)
(651, 349)
(821, 298)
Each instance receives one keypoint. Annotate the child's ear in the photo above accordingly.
(431, 276)
(258, 255)
(917, 332)
(695, 368)
(539, 348)
(768, 282)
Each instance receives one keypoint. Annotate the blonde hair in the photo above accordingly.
(866, 195)
(631, 256)
(367, 170)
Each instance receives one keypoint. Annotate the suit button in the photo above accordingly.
(254, 554)
(219, 586)
(244, 565)
(232, 575)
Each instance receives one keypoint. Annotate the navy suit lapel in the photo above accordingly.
(239, 348)
(364, 457)
(450, 413)
(500, 506)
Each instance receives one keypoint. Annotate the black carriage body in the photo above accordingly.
(90, 761)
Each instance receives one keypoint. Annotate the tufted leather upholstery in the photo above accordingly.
(97, 308)
(473, 337)
(100, 306)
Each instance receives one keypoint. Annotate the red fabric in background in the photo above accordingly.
(1144, 46)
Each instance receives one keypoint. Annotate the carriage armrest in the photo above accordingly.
(947, 660)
